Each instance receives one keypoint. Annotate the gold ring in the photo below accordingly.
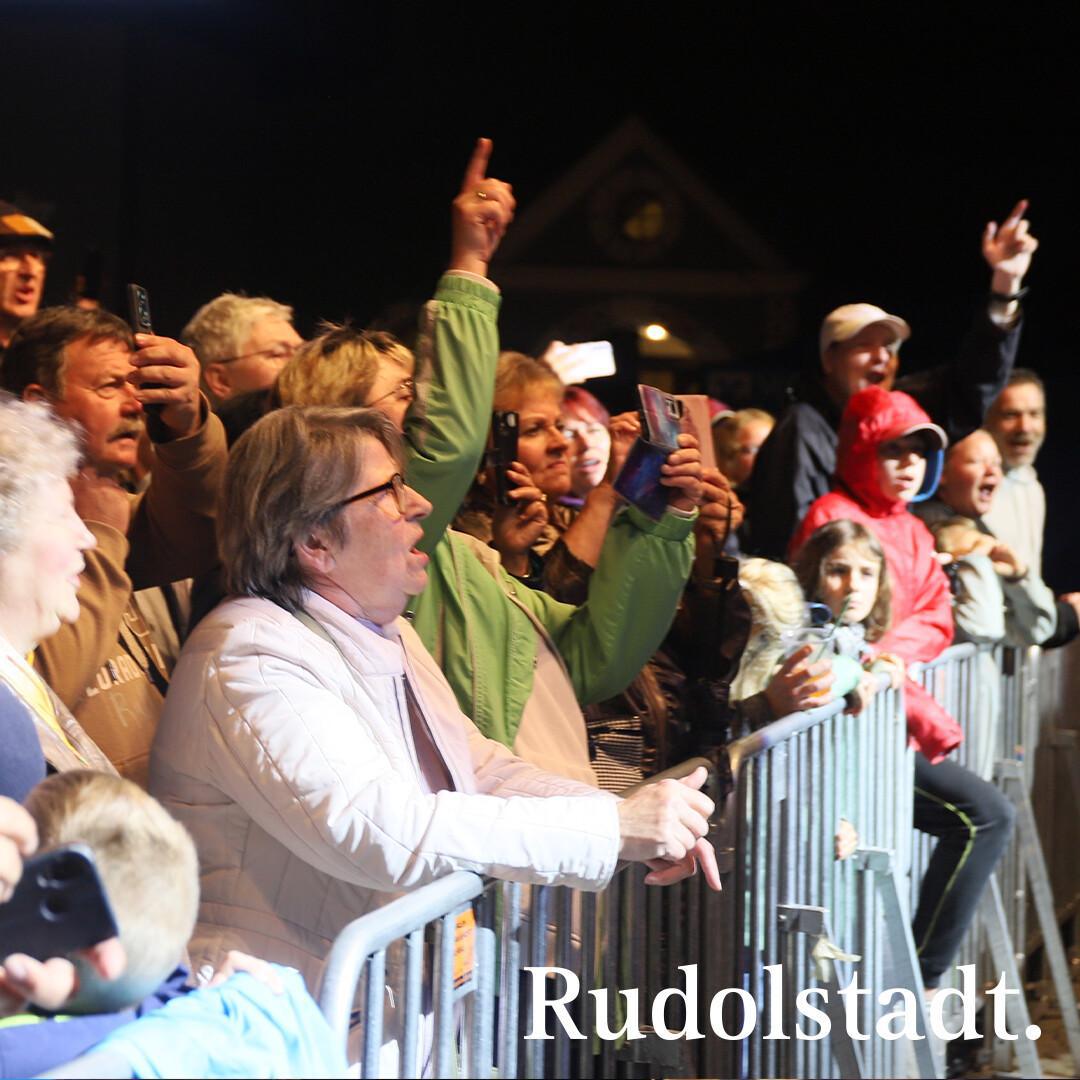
(482, 195)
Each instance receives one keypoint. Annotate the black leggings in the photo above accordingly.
(973, 822)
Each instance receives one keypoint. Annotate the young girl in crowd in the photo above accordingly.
(842, 566)
(889, 455)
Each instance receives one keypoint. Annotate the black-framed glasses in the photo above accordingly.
(396, 484)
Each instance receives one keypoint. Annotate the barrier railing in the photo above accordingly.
(449, 985)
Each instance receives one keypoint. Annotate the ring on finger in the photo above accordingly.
(482, 195)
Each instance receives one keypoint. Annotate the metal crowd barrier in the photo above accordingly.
(444, 989)
(787, 905)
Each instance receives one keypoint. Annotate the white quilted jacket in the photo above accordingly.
(294, 768)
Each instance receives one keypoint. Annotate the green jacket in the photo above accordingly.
(476, 620)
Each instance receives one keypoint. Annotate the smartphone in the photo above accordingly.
(663, 415)
(139, 317)
(58, 906)
(639, 478)
(503, 453)
(139, 309)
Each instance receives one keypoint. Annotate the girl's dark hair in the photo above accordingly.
(822, 544)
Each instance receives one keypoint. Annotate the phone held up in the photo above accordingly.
(639, 479)
(58, 906)
(503, 453)
(139, 317)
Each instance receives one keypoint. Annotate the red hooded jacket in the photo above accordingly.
(922, 622)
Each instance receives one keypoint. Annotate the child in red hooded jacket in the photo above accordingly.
(890, 455)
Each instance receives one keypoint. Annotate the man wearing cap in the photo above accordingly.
(25, 247)
(860, 345)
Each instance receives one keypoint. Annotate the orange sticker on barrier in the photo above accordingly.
(464, 947)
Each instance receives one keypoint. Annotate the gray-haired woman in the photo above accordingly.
(314, 748)
(41, 544)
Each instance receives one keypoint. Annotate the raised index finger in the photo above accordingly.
(476, 170)
(1017, 213)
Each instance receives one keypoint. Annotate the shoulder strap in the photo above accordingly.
(318, 629)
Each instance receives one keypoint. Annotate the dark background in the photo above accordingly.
(310, 152)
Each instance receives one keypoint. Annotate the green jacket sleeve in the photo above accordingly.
(633, 594)
(447, 427)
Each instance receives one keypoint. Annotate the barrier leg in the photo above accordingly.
(1011, 780)
(811, 922)
(904, 966)
(992, 914)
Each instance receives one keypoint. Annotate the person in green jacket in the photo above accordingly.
(521, 664)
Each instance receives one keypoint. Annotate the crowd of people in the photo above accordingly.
(266, 599)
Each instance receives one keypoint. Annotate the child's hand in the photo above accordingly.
(846, 840)
(893, 666)
(798, 685)
(860, 698)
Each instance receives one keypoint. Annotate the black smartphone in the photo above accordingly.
(503, 453)
(59, 905)
(139, 309)
(139, 317)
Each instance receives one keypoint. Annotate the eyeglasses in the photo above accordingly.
(404, 391)
(396, 484)
(274, 352)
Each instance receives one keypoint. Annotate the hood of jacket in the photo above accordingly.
(872, 417)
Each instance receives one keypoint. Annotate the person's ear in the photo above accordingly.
(314, 553)
(216, 377)
(36, 392)
(108, 958)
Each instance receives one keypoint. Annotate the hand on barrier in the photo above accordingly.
(799, 685)
(664, 825)
(860, 698)
(682, 473)
(845, 841)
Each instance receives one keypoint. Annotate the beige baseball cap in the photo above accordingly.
(845, 322)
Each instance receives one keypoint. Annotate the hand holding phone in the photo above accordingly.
(58, 906)
(503, 453)
(141, 323)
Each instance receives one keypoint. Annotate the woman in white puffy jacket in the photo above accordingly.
(313, 747)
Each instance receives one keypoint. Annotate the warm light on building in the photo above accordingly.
(655, 332)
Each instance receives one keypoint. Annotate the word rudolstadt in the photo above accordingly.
(733, 1012)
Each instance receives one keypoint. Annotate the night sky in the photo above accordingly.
(310, 152)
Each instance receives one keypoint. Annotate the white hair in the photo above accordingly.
(219, 330)
(36, 446)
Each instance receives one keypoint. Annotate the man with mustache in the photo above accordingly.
(114, 386)
(1017, 420)
(860, 346)
(25, 247)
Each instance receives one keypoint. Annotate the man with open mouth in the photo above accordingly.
(860, 345)
(25, 247)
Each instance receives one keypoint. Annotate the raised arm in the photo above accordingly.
(457, 350)
(958, 396)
